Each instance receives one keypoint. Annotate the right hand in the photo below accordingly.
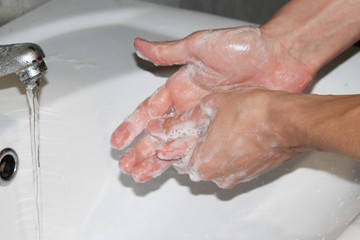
(230, 136)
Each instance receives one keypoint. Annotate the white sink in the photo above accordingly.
(94, 81)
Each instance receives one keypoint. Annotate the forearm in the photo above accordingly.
(326, 123)
(315, 32)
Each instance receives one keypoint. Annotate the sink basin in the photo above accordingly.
(94, 81)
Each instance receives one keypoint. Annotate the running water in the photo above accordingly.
(32, 92)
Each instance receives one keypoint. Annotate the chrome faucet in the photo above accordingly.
(25, 60)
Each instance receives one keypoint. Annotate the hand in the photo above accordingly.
(141, 161)
(233, 56)
(215, 60)
(253, 139)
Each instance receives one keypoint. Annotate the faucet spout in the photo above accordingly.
(25, 60)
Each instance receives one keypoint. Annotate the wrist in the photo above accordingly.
(290, 118)
(315, 32)
(290, 44)
(321, 123)
(282, 49)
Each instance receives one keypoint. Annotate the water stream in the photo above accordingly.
(32, 92)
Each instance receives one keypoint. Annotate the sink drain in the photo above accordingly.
(8, 165)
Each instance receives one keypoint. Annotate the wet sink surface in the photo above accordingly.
(94, 81)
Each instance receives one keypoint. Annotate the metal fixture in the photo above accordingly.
(24, 59)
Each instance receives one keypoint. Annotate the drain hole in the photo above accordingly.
(8, 165)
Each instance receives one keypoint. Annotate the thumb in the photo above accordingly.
(163, 53)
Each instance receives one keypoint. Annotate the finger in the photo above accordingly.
(163, 53)
(151, 167)
(141, 162)
(154, 106)
(176, 149)
(144, 149)
(179, 133)
(176, 140)
(158, 104)
(185, 93)
(193, 122)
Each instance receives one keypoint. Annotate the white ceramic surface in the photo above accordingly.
(94, 81)
(352, 232)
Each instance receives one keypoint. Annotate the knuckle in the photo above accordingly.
(206, 172)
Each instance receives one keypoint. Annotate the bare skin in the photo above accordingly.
(283, 54)
(252, 130)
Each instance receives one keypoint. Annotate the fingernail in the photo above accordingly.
(124, 135)
(155, 127)
(140, 175)
(119, 138)
(127, 163)
(140, 55)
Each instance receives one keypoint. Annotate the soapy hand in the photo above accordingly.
(214, 60)
(175, 97)
(252, 140)
(232, 56)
